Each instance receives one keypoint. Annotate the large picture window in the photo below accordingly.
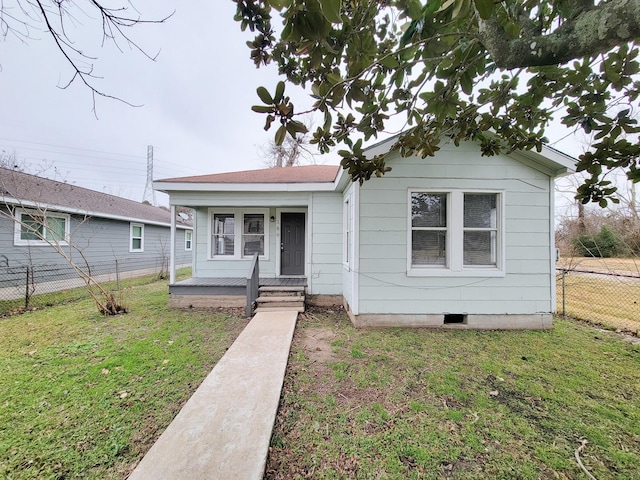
(454, 233)
(41, 228)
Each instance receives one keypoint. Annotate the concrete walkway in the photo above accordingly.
(224, 430)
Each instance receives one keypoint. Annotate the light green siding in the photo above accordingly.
(383, 284)
(326, 248)
(323, 234)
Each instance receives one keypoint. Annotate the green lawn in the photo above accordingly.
(397, 404)
(85, 396)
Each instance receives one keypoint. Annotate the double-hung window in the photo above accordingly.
(40, 228)
(188, 240)
(223, 241)
(253, 234)
(455, 233)
(136, 241)
(239, 233)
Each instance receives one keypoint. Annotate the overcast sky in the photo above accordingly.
(196, 101)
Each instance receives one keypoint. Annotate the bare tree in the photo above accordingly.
(22, 19)
(291, 152)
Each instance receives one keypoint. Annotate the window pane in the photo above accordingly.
(254, 223)
(480, 210)
(223, 234)
(428, 247)
(136, 231)
(480, 248)
(136, 244)
(253, 244)
(253, 237)
(429, 209)
(55, 229)
(30, 228)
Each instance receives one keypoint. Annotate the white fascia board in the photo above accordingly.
(342, 181)
(77, 211)
(167, 187)
(549, 161)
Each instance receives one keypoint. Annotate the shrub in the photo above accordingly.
(604, 244)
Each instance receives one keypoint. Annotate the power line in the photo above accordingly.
(70, 148)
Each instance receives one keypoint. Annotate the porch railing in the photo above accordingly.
(253, 284)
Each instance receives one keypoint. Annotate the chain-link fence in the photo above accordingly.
(32, 286)
(611, 299)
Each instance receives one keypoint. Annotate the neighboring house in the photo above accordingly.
(454, 240)
(112, 234)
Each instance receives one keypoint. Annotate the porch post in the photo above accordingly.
(172, 255)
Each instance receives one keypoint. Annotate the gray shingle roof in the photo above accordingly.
(44, 192)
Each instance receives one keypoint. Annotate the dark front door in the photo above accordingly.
(292, 247)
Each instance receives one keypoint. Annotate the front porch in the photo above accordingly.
(201, 292)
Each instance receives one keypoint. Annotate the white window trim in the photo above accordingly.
(238, 216)
(454, 266)
(131, 249)
(188, 240)
(19, 242)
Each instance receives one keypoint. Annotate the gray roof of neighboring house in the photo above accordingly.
(39, 191)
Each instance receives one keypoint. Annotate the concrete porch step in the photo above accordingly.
(287, 308)
(285, 299)
(293, 288)
(281, 291)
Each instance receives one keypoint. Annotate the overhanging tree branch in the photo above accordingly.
(592, 31)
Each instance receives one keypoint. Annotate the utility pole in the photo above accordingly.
(149, 194)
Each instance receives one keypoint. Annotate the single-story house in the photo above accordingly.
(113, 234)
(456, 240)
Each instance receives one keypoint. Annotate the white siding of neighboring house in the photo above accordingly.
(385, 287)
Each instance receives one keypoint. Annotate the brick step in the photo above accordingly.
(285, 299)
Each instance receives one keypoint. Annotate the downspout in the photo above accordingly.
(172, 247)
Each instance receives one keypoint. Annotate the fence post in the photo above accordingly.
(564, 296)
(26, 289)
(117, 276)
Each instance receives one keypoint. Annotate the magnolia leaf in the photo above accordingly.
(484, 8)
(280, 134)
(261, 109)
(279, 92)
(331, 10)
(264, 95)
(459, 8)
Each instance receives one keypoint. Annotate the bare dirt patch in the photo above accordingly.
(317, 344)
